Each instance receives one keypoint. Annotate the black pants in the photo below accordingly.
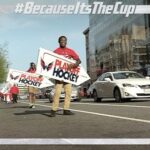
(15, 98)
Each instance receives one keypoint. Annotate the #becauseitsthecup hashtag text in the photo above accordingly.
(97, 7)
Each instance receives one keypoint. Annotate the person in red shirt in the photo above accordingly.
(32, 90)
(14, 92)
(71, 54)
(32, 68)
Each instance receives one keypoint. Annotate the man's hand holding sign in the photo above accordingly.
(74, 65)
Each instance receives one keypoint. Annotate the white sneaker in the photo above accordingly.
(33, 106)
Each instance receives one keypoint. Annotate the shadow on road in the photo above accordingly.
(8, 106)
(42, 112)
(113, 101)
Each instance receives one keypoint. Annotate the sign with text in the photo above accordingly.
(29, 79)
(55, 66)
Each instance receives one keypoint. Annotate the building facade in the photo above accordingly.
(116, 42)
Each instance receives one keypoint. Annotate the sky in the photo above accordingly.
(25, 34)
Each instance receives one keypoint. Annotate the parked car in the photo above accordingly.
(74, 95)
(47, 93)
(121, 85)
(90, 91)
(40, 95)
(23, 96)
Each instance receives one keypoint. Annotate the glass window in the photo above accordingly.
(108, 75)
(126, 75)
(101, 78)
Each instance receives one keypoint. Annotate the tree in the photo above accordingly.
(3, 62)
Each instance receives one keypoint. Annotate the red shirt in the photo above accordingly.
(31, 70)
(14, 90)
(67, 52)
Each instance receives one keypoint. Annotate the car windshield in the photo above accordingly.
(126, 75)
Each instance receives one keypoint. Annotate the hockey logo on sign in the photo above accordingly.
(13, 77)
(46, 67)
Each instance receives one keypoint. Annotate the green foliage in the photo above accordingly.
(3, 63)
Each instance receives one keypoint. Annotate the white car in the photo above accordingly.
(121, 85)
(23, 97)
(90, 91)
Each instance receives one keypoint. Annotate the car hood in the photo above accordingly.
(134, 81)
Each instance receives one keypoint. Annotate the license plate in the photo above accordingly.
(147, 90)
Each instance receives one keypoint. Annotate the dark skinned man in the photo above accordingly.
(70, 54)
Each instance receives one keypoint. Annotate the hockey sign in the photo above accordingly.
(29, 79)
(55, 66)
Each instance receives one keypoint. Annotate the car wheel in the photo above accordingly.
(77, 100)
(88, 96)
(50, 99)
(117, 95)
(127, 99)
(96, 98)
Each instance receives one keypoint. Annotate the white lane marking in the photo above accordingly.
(73, 141)
(100, 114)
(118, 105)
(132, 106)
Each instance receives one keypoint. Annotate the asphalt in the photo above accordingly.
(91, 120)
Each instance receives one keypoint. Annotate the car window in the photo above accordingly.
(101, 78)
(109, 76)
(127, 75)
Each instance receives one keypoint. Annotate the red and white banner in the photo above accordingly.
(29, 79)
(55, 66)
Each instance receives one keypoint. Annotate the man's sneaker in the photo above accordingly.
(52, 113)
(68, 112)
(31, 106)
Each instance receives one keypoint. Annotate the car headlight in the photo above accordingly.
(74, 92)
(128, 85)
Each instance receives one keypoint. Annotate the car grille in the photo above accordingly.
(144, 86)
(142, 94)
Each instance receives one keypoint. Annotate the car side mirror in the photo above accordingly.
(108, 79)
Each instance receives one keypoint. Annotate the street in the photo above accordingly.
(107, 119)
